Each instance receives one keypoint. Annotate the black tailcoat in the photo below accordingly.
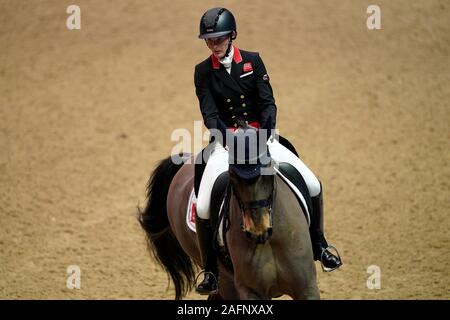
(245, 93)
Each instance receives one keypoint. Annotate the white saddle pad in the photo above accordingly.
(190, 217)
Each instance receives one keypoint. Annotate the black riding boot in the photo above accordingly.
(205, 236)
(320, 246)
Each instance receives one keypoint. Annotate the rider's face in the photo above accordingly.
(218, 46)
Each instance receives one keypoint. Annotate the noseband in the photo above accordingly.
(255, 204)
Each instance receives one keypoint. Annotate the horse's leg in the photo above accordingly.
(306, 293)
(303, 285)
(246, 293)
(215, 296)
(227, 290)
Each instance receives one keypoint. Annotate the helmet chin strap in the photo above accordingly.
(229, 48)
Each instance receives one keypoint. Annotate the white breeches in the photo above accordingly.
(218, 163)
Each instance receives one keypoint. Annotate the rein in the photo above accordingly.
(224, 216)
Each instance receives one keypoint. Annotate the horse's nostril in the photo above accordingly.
(261, 239)
(266, 235)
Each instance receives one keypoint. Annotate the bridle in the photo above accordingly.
(257, 204)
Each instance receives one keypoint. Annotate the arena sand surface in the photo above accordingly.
(86, 114)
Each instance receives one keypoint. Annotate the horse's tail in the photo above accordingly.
(162, 243)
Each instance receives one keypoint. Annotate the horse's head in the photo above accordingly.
(252, 180)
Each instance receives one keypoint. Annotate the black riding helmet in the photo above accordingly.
(217, 22)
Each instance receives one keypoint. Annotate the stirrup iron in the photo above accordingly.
(325, 269)
(215, 279)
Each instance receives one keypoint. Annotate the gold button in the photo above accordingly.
(228, 100)
(242, 97)
(244, 105)
(230, 108)
(245, 113)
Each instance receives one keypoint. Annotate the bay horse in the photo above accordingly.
(268, 241)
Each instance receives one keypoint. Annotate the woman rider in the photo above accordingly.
(233, 84)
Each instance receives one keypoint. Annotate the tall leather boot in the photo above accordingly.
(205, 235)
(320, 246)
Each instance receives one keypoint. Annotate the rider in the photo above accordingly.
(233, 84)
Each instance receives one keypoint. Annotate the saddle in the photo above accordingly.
(298, 186)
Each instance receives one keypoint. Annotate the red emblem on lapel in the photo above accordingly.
(247, 67)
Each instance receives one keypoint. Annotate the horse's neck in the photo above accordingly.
(287, 212)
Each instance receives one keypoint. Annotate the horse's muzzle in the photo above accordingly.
(260, 238)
